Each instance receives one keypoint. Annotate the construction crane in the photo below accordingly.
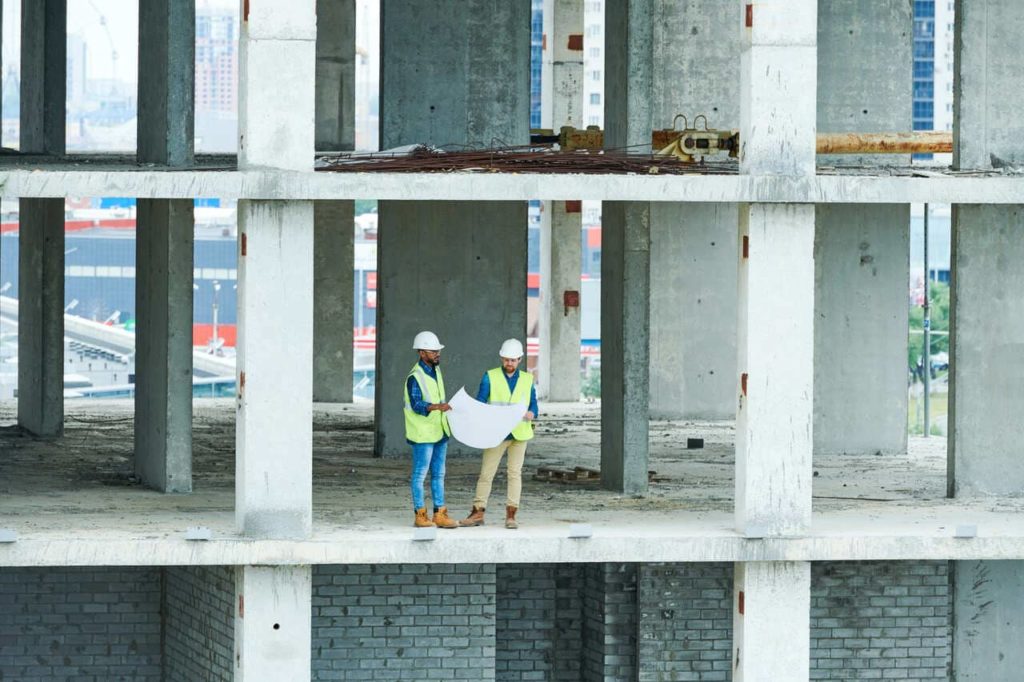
(113, 46)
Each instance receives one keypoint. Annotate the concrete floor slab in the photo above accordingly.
(75, 501)
(103, 176)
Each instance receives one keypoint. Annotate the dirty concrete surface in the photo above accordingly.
(86, 477)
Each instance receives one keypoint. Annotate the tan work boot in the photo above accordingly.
(475, 518)
(442, 520)
(510, 517)
(421, 519)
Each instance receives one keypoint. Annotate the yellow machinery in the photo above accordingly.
(693, 144)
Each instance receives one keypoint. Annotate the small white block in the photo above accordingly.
(967, 530)
(200, 533)
(580, 530)
(424, 534)
(8, 535)
(755, 531)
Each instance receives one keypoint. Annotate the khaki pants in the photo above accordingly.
(489, 467)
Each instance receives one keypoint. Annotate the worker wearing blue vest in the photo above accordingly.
(505, 385)
(427, 431)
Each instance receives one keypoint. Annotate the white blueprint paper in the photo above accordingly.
(481, 425)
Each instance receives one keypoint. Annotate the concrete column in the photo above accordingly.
(986, 447)
(41, 317)
(693, 246)
(985, 438)
(276, 54)
(776, 273)
(456, 268)
(560, 255)
(862, 252)
(771, 624)
(335, 75)
(562, 94)
(163, 353)
(625, 256)
(625, 279)
(861, 259)
(771, 617)
(333, 279)
(273, 492)
(693, 311)
(776, 336)
(333, 282)
(985, 118)
(273, 628)
(561, 222)
(778, 86)
(987, 625)
(166, 120)
(610, 622)
(164, 250)
(43, 69)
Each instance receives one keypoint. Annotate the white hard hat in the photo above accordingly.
(426, 341)
(511, 349)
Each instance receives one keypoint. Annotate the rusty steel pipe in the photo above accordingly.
(920, 142)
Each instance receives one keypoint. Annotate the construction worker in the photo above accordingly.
(505, 385)
(426, 430)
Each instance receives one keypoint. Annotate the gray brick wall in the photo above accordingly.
(610, 622)
(199, 622)
(888, 620)
(404, 622)
(592, 637)
(83, 624)
(560, 622)
(539, 622)
(685, 622)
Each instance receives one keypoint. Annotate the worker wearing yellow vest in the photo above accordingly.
(505, 385)
(426, 430)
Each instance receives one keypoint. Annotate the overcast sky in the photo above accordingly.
(86, 19)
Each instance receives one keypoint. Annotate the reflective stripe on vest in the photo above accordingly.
(500, 395)
(434, 426)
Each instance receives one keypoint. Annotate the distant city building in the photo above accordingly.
(933, 66)
(367, 114)
(924, 64)
(593, 63)
(216, 60)
(593, 115)
(943, 65)
(11, 94)
(77, 81)
(536, 60)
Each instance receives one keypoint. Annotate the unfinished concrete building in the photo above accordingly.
(774, 295)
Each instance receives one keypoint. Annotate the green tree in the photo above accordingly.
(938, 296)
(365, 206)
(592, 383)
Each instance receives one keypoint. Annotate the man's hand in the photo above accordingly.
(528, 416)
(443, 407)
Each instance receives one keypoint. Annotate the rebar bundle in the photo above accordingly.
(525, 159)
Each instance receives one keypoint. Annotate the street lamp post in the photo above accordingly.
(927, 324)
(361, 302)
(214, 342)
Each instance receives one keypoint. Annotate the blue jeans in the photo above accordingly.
(428, 456)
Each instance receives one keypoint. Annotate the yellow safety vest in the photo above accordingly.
(500, 395)
(434, 426)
